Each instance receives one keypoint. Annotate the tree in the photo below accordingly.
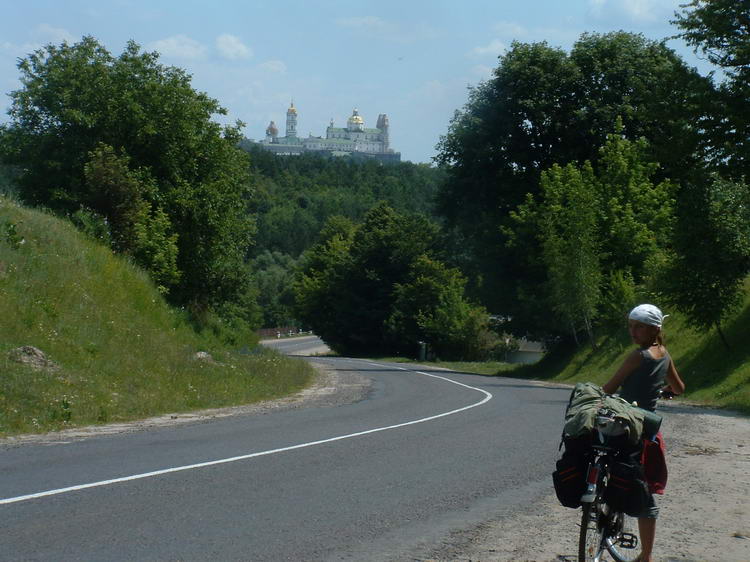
(274, 275)
(322, 280)
(8, 177)
(375, 288)
(704, 274)
(545, 107)
(430, 306)
(637, 210)
(124, 197)
(296, 195)
(87, 123)
(570, 243)
(382, 252)
(720, 29)
(594, 229)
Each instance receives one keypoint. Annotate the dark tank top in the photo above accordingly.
(643, 384)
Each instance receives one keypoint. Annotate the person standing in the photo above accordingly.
(644, 374)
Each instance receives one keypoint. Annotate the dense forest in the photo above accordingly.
(294, 198)
(582, 182)
(571, 185)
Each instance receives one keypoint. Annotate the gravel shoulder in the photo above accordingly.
(705, 512)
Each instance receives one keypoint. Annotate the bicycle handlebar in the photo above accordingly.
(666, 393)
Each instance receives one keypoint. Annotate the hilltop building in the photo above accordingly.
(353, 140)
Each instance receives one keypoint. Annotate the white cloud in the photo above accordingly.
(231, 47)
(17, 50)
(43, 34)
(431, 90)
(370, 23)
(377, 27)
(275, 66)
(510, 30)
(179, 46)
(643, 10)
(46, 33)
(483, 72)
(495, 48)
(635, 11)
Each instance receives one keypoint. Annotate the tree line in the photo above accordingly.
(583, 181)
(570, 185)
(294, 198)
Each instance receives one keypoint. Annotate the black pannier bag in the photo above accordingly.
(569, 477)
(627, 490)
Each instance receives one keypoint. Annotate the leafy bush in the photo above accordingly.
(375, 288)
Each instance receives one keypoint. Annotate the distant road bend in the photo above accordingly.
(427, 452)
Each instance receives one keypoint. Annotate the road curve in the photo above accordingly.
(300, 345)
(425, 453)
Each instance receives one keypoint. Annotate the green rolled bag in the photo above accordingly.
(651, 423)
(585, 401)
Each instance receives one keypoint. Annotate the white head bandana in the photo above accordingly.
(647, 314)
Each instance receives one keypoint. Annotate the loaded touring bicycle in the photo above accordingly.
(600, 471)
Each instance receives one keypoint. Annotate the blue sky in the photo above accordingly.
(410, 59)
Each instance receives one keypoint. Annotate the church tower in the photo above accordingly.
(383, 125)
(291, 121)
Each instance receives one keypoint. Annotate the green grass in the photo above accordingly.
(123, 352)
(713, 375)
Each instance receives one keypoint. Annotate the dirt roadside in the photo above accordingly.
(705, 512)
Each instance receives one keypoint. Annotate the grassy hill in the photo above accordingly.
(713, 374)
(122, 352)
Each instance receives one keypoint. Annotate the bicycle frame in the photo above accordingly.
(602, 528)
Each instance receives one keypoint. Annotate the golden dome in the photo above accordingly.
(291, 110)
(355, 118)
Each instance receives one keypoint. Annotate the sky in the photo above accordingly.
(410, 59)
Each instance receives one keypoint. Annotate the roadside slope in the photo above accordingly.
(713, 374)
(118, 350)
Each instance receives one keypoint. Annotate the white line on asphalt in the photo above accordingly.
(487, 398)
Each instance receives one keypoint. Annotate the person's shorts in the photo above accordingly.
(651, 510)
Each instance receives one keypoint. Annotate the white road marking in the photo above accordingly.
(487, 398)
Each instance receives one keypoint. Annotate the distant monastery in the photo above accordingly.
(353, 140)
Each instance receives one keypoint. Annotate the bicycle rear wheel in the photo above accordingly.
(591, 540)
(622, 538)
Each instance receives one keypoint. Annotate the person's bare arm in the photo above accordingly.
(628, 366)
(673, 379)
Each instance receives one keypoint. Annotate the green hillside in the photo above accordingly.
(122, 352)
(713, 374)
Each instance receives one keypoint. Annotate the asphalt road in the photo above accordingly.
(298, 345)
(385, 478)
